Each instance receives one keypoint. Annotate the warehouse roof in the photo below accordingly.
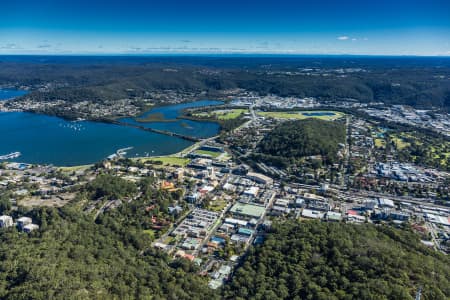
(250, 210)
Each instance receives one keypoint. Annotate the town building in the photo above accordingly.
(30, 227)
(260, 178)
(23, 221)
(6, 221)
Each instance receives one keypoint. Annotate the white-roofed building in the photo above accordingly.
(252, 191)
(312, 214)
(30, 227)
(438, 219)
(23, 221)
(6, 221)
(383, 202)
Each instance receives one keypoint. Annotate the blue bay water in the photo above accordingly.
(10, 93)
(52, 140)
(181, 126)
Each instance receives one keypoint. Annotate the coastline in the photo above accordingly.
(179, 153)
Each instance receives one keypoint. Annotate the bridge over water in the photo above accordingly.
(169, 133)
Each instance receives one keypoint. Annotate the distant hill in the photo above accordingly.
(420, 82)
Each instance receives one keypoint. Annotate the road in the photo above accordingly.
(347, 152)
(362, 195)
(214, 229)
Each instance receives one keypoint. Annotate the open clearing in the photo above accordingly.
(380, 143)
(301, 115)
(223, 114)
(75, 168)
(217, 205)
(168, 160)
(400, 144)
(213, 154)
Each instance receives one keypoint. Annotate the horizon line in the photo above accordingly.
(205, 54)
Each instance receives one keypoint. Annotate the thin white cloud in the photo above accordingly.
(10, 46)
(343, 38)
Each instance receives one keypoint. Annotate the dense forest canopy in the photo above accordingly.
(110, 187)
(314, 260)
(76, 255)
(420, 82)
(296, 139)
(73, 257)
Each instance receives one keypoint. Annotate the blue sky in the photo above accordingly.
(216, 26)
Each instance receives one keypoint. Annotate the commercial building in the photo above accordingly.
(30, 227)
(383, 202)
(437, 219)
(236, 222)
(252, 191)
(333, 216)
(23, 221)
(259, 178)
(247, 210)
(312, 214)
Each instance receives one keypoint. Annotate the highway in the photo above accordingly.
(356, 195)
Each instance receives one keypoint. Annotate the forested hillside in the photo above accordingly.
(314, 260)
(421, 82)
(78, 255)
(296, 139)
(72, 257)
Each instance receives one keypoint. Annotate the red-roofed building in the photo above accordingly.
(352, 212)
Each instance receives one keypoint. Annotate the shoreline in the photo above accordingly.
(68, 168)
(113, 121)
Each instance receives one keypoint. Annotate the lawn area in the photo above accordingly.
(150, 232)
(217, 205)
(213, 154)
(75, 168)
(168, 160)
(169, 239)
(380, 143)
(224, 114)
(225, 157)
(301, 115)
(400, 143)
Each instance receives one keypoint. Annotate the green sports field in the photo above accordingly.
(301, 115)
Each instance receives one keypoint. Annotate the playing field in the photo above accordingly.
(213, 154)
(301, 115)
(75, 168)
(169, 160)
(224, 114)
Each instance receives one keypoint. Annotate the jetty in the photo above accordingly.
(123, 151)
